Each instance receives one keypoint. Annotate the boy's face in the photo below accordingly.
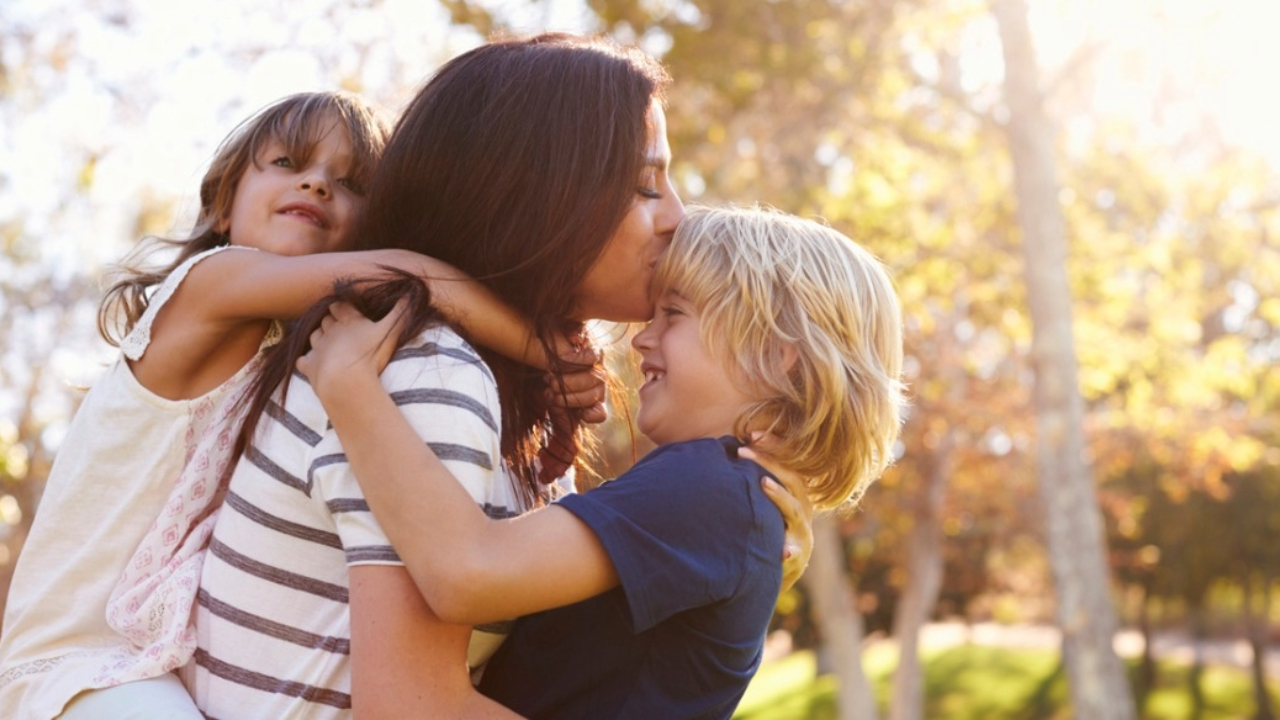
(286, 207)
(687, 393)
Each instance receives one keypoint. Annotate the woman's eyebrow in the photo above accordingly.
(657, 162)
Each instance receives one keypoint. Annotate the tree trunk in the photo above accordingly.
(924, 581)
(1197, 622)
(838, 621)
(1147, 672)
(1099, 688)
(1257, 625)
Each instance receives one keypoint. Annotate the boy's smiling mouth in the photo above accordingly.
(651, 373)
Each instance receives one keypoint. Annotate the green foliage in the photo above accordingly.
(985, 683)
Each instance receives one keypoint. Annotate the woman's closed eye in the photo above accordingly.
(648, 187)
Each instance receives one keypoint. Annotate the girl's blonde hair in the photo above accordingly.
(811, 320)
(298, 122)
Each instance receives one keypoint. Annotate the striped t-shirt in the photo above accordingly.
(272, 615)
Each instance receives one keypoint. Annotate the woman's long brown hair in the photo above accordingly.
(515, 163)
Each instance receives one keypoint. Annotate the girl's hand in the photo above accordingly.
(581, 386)
(348, 346)
(790, 494)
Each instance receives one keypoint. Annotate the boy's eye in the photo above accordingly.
(283, 161)
(670, 310)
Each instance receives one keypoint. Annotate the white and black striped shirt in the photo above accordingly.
(272, 615)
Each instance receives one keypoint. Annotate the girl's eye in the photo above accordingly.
(283, 161)
(352, 186)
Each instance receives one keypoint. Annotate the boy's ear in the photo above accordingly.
(790, 356)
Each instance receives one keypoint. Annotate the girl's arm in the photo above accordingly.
(468, 568)
(239, 287)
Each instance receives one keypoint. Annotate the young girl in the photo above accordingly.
(658, 598)
(102, 596)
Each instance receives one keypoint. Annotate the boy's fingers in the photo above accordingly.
(396, 319)
(343, 311)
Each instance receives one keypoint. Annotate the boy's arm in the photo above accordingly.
(405, 661)
(468, 568)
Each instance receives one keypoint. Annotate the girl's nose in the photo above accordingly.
(314, 182)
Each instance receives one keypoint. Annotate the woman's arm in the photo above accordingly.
(470, 569)
(791, 496)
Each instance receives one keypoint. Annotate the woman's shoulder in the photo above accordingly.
(441, 348)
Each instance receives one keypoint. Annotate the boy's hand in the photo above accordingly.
(350, 347)
(791, 496)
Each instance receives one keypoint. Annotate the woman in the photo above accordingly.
(539, 167)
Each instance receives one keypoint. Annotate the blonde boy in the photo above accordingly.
(653, 592)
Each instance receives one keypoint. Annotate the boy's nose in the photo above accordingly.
(643, 340)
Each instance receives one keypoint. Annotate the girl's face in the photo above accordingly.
(688, 393)
(617, 286)
(286, 206)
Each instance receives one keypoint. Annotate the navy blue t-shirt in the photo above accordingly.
(698, 547)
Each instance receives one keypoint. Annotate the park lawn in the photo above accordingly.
(972, 682)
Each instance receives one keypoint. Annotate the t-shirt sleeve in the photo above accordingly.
(449, 397)
(678, 527)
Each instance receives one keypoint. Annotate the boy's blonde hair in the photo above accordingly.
(812, 321)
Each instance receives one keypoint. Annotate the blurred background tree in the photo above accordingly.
(887, 118)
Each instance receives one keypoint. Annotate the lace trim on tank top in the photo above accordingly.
(139, 338)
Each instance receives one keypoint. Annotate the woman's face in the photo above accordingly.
(617, 286)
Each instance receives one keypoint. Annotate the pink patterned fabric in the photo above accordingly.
(153, 604)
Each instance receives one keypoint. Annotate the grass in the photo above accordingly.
(971, 682)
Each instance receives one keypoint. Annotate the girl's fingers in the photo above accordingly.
(576, 400)
(578, 381)
(595, 414)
